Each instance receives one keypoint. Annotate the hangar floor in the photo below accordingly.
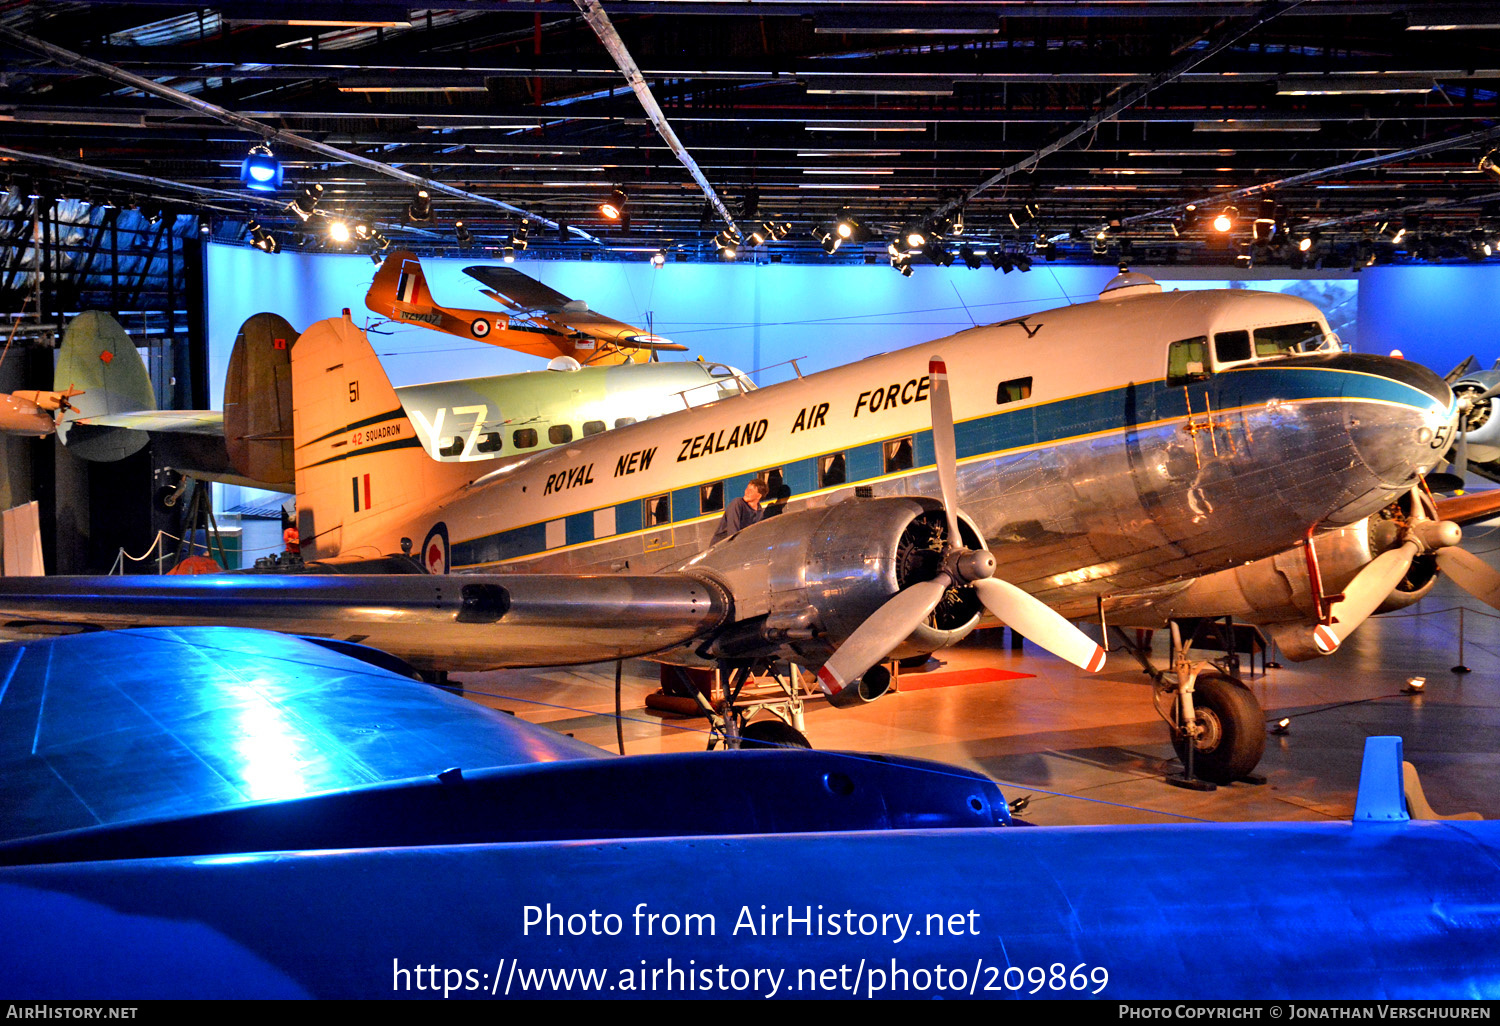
(1090, 749)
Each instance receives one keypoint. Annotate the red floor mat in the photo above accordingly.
(952, 678)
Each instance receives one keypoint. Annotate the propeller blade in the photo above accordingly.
(1472, 574)
(886, 628)
(1363, 595)
(1036, 621)
(1489, 393)
(943, 445)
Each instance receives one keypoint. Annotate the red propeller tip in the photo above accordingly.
(936, 366)
(831, 684)
(1096, 661)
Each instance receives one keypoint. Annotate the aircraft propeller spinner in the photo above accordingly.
(893, 622)
(1373, 584)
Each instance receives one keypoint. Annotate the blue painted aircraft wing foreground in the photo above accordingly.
(375, 870)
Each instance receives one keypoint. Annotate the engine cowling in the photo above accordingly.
(1277, 593)
(804, 581)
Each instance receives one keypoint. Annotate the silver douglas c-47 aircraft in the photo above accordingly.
(1110, 454)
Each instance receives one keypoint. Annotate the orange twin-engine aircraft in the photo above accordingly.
(544, 322)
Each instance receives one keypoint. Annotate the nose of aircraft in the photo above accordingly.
(1402, 419)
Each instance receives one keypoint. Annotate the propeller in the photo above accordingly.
(903, 613)
(1373, 584)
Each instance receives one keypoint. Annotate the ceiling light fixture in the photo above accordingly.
(419, 210)
(260, 171)
(304, 205)
(613, 208)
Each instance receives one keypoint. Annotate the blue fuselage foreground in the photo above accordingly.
(1231, 911)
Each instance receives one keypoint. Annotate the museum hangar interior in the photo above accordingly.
(1215, 283)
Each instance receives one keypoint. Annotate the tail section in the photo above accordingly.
(101, 366)
(363, 478)
(400, 288)
(258, 401)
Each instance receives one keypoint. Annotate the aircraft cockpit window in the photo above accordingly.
(832, 470)
(657, 510)
(1013, 390)
(898, 455)
(557, 434)
(489, 442)
(453, 448)
(1232, 346)
(624, 421)
(524, 438)
(711, 497)
(1187, 360)
(1283, 339)
(593, 427)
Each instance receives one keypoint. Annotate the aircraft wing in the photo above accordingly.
(193, 422)
(463, 622)
(526, 293)
(106, 728)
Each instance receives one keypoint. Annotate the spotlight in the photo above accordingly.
(304, 205)
(1049, 250)
(361, 230)
(1283, 727)
(750, 205)
(916, 238)
(563, 235)
(462, 233)
(262, 239)
(997, 257)
(1414, 685)
(1024, 216)
(508, 254)
(1023, 263)
(728, 252)
(940, 255)
(1189, 216)
(419, 210)
(205, 224)
(956, 226)
(260, 171)
(1305, 244)
(338, 231)
(757, 235)
(1261, 229)
(1225, 221)
(658, 259)
(1490, 163)
(903, 266)
(153, 216)
(970, 258)
(614, 207)
(846, 227)
(518, 240)
(779, 230)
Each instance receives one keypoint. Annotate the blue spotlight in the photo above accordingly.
(260, 170)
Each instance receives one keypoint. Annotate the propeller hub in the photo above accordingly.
(973, 565)
(1437, 534)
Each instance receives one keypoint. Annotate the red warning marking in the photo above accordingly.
(106, 356)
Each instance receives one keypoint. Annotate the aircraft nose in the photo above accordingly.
(1402, 419)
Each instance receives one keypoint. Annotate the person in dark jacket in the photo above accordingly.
(741, 513)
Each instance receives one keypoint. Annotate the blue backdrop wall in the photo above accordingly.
(758, 316)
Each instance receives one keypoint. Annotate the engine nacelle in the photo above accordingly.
(802, 582)
(1277, 593)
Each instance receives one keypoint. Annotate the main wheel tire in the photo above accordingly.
(772, 733)
(1234, 730)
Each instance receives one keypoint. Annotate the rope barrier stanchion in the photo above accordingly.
(1460, 668)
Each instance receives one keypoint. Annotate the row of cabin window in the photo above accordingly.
(833, 470)
(527, 438)
(560, 434)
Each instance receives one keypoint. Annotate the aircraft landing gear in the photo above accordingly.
(1217, 726)
(733, 706)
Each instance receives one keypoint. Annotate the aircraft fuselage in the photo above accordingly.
(1089, 467)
